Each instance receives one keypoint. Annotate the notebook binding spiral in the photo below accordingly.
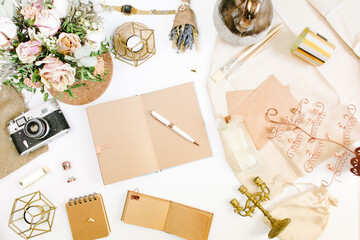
(82, 199)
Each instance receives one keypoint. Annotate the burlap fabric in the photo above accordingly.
(184, 15)
(11, 106)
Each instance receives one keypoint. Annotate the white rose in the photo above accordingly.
(47, 21)
(82, 55)
(94, 26)
(98, 8)
(94, 39)
(8, 32)
(61, 7)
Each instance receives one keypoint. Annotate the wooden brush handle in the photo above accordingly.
(268, 37)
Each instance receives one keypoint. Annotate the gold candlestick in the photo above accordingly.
(254, 201)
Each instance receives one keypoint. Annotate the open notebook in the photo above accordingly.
(130, 142)
(171, 217)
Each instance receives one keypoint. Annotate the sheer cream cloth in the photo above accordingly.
(344, 18)
(309, 213)
(342, 71)
(304, 81)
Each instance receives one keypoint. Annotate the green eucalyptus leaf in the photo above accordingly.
(46, 96)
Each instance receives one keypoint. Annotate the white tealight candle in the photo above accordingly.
(134, 43)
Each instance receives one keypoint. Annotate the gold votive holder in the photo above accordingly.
(134, 43)
(32, 215)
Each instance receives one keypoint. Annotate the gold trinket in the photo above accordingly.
(32, 215)
(134, 43)
(254, 201)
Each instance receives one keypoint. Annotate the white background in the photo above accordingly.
(208, 184)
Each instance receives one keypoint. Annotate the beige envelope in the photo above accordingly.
(130, 142)
(164, 215)
(254, 104)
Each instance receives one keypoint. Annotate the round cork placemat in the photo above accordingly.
(92, 90)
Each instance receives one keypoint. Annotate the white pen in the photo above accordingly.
(173, 127)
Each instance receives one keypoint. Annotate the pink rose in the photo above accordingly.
(8, 32)
(28, 51)
(28, 82)
(29, 12)
(56, 73)
(36, 3)
(47, 21)
(68, 43)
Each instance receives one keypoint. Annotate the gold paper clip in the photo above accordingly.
(135, 196)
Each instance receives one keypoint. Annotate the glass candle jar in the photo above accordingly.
(239, 145)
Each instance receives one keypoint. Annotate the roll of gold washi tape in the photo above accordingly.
(312, 47)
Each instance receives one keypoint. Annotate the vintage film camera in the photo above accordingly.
(37, 127)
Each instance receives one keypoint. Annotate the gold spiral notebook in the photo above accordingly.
(87, 217)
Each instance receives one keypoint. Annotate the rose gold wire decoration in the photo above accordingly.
(134, 43)
(310, 131)
(32, 215)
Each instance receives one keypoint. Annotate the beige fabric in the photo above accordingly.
(304, 81)
(309, 213)
(344, 18)
(11, 106)
(359, 202)
(342, 71)
(186, 16)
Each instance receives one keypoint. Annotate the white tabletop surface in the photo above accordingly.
(208, 184)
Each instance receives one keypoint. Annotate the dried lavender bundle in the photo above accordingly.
(184, 37)
(184, 33)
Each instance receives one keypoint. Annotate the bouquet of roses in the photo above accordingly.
(53, 44)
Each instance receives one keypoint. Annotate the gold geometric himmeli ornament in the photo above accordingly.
(134, 43)
(32, 215)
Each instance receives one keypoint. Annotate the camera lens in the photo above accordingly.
(36, 128)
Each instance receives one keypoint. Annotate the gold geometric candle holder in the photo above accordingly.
(254, 201)
(134, 43)
(32, 215)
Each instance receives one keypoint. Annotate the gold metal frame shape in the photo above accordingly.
(128, 54)
(27, 224)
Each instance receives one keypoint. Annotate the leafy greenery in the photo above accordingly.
(81, 19)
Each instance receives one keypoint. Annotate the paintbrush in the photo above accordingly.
(229, 68)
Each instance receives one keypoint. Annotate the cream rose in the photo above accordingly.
(56, 74)
(29, 12)
(28, 51)
(47, 21)
(8, 32)
(68, 43)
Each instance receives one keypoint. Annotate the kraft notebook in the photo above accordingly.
(130, 142)
(171, 217)
(87, 217)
